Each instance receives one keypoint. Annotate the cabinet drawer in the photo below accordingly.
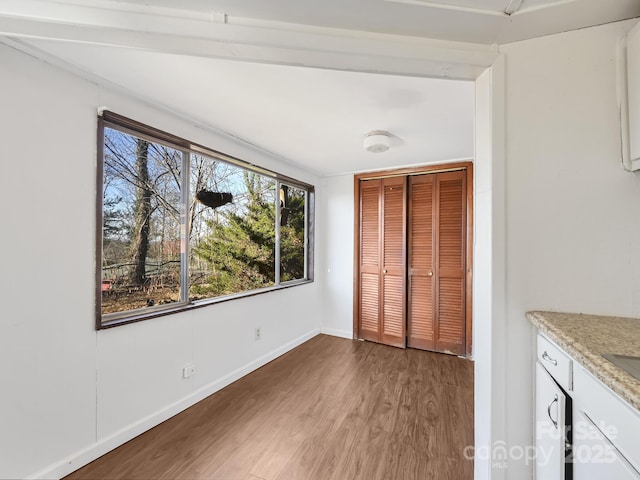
(556, 362)
(612, 415)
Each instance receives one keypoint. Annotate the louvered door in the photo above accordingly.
(420, 309)
(370, 264)
(382, 261)
(436, 251)
(413, 254)
(450, 238)
(393, 325)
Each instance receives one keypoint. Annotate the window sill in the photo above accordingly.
(115, 319)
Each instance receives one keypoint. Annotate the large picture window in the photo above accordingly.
(182, 226)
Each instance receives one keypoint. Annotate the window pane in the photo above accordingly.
(292, 226)
(232, 229)
(141, 223)
(161, 195)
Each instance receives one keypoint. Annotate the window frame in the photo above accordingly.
(109, 119)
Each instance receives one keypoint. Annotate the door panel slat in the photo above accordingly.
(393, 227)
(370, 223)
(369, 303)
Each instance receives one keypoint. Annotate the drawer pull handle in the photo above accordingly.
(545, 356)
(555, 400)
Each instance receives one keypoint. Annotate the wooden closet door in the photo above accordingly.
(422, 239)
(393, 316)
(450, 238)
(420, 309)
(436, 261)
(382, 261)
(370, 239)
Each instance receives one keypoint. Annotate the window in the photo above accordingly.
(182, 226)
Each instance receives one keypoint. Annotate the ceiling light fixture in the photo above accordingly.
(377, 141)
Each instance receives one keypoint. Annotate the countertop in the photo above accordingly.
(587, 337)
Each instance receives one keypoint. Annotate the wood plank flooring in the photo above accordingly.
(330, 409)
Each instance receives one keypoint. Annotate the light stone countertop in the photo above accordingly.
(587, 337)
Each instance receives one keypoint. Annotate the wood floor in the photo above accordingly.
(329, 409)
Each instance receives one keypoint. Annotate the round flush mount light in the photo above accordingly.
(377, 141)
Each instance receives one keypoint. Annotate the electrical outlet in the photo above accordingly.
(258, 333)
(188, 370)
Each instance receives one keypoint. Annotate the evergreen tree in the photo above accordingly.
(292, 238)
(241, 246)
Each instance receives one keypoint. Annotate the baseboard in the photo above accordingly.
(337, 333)
(90, 453)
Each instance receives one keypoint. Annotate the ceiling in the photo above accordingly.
(477, 21)
(315, 118)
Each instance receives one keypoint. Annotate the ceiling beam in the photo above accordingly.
(218, 36)
(451, 6)
(513, 7)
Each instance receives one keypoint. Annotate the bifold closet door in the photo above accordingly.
(436, 262)
(421, 243)
(382, 260)
(450, 238)
(370, 225)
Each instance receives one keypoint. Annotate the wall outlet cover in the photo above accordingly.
(188, 370)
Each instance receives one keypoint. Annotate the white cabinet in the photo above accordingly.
(550, 427)
(604, 429)
(612, 430)
(594, 456)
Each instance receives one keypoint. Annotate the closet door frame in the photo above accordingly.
(428, 169)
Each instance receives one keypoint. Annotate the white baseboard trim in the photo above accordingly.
(337, 333)
(91, 452)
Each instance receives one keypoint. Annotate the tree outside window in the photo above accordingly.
(181, 228)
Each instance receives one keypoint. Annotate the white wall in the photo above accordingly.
(337, 247)
(70, 393)
(573, 221)
(489, 270)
